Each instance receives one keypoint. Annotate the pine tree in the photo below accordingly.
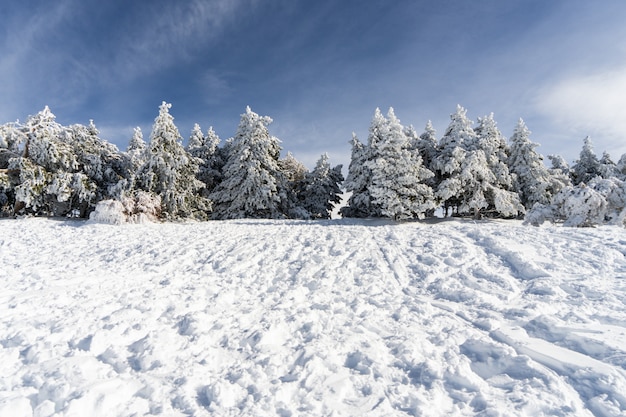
(621, 167)
(205, 149)
(533, 181)
(357, 182)
(397, 175)
(170, 172)
(106, 170)
(41, 182)
(497, 188)
(448, 164)
(427, 146)
(559, 165)
(491, 141)
(321, 190)
(608, 168)
(253, 185)
(587, 166)
(136, 153)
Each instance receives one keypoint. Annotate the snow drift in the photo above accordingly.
(296, 318)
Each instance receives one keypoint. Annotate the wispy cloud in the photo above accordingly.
(63, 52)
(170, 32)
(590, 105)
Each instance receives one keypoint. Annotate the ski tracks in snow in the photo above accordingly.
(311, 318)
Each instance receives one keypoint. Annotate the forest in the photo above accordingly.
(47, 169)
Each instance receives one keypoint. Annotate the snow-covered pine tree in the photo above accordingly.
(294, 173)
(587, 166)
(459, 137)
(427, 146)
(491, 141)
(11, 137)
(205, 148)
(320, 191)
(7, 198)
(357, 182)
(136, 148)
(621, 167)
(253, 185)
(532, 180)
(608, 168)
(40, 180)
(499, 194)
(559, 165)
(397, 174)
(294, 170)
(104, 166)
(170, 172)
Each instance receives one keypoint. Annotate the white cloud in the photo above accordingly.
(591, 105)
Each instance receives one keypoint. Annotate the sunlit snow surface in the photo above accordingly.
(286, 318)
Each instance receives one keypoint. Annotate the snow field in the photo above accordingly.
(295, 318)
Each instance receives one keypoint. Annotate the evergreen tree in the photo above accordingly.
(170, 172)
(295, 174)
(559, 165)
(41, 176)
(136, 149)
(608, 168)
(621, 167)
(357, 182)
(533, 181)
(397, 175)
(205, 149)
(448, 164)
(587, 166)
(497, 189)
(427, 146)
(293, 170)
(253, 184)
(491, 141)
(320, 191)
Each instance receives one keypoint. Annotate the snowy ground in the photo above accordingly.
(286, 318)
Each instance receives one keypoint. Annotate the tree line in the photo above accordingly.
(47, 169)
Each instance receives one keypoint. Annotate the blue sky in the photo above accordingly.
(320, 68)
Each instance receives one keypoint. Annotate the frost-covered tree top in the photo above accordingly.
(357, 181)
(196, 140)
(533, 181)
(559, 163)
(293, 169)
(459, 136)
(621, 167)
(428, 139)
(321, 189)
(459, 132)
(45, 144)
(201, 146)
(169, 171)
(12, 136)
(397, 174)
(491, 141)
(608, 168)
(253, 185)
(587, 166)
(136, 144)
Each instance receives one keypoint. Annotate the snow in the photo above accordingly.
(309, 318)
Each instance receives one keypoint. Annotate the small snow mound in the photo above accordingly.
(224, 394)
(139, 208)
(108, 212)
